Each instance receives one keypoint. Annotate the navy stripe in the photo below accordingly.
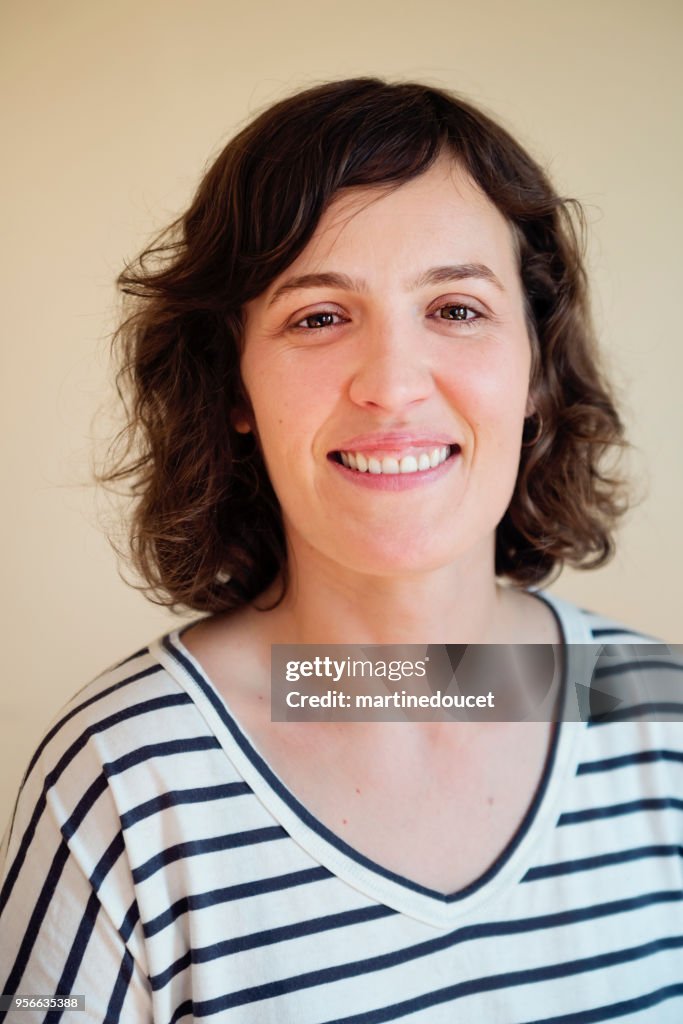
(205, 954)
(131, 657)
(608, 764)
(468, 933)
(639, 665)
(617, 631)
(31, 934)
(145, 707)
(614, 810)
(638, 711)
(332, 838)
(473, 986)
(196, 847)
(242, 890)
(176, 797)
(615, 1010)
(107, 861)
(89, 798)
(76, 954)
(601, 860)
(113, 1014)
(190, 745)
(130, 920)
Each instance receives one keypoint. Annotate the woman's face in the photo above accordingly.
(388, 371)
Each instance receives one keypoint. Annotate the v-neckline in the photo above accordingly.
(350, 865)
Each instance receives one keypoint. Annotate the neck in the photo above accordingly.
(458, 603)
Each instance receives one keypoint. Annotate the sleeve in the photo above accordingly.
(68, 917)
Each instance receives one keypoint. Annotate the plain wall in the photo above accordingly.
(111, 112)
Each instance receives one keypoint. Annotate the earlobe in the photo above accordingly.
(239, 421)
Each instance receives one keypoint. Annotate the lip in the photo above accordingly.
(395, 441)
(396, 481)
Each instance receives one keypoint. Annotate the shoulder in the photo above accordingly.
(134, 699)
(620, 674)
(585, 625)
(92, 764)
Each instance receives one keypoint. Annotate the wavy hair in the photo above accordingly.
(207, 530)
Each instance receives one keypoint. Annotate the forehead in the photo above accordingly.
(441, 216)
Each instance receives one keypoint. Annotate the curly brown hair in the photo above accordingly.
(207, 530)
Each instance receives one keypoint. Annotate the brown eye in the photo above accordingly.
(317, 320)
(456, 312)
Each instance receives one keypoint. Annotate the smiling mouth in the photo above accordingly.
(390, 465)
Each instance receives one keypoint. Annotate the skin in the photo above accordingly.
(397, 565)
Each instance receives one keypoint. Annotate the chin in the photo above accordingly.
(399, 558)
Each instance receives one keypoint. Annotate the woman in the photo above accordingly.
(365, 407)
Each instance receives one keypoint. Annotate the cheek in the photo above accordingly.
(269, 393)
(492, 393)
(286, 424)
(292, 397)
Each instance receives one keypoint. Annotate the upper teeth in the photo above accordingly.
(406, 464)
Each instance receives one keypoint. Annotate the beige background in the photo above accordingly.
(111, 112)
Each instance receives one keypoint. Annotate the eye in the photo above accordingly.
(318, 321)
(457, 311)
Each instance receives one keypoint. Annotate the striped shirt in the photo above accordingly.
(157, 865)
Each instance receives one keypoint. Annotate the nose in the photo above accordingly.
(392, 371)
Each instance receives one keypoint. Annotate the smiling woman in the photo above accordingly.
(268, 214)
(365, 407)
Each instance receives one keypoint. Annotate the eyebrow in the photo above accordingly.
(435, 275)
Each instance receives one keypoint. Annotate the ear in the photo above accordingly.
(530, 409)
